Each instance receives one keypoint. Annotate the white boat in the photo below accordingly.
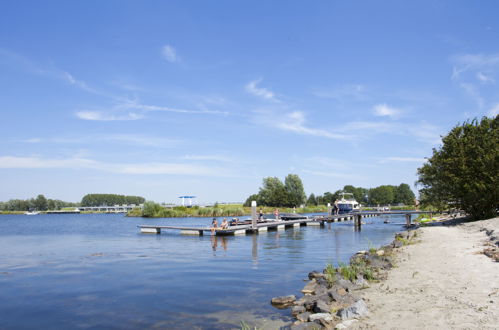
(32, 213)
(347, 203)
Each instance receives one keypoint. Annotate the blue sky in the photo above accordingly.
(205, 98)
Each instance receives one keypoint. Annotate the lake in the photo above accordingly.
(96, 271)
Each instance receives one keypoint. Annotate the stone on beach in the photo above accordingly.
(356, 310)
(284, 301)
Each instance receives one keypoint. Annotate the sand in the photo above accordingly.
(441, 282)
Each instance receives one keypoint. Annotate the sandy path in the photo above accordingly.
(439, 283)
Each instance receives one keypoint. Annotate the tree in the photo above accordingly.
(294, 189)
(150, 209)
(254, 197)
(273, 192)
(40, 203)
(312, 200)
(382, 195)
(464, 172)
(404, 194)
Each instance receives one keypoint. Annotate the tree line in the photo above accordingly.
(110, 199)
(291, 193)
(40, 203)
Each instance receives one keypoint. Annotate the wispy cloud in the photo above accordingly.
(125, 139)
(474, 92)
(11, 162)
(169, 53)
(102, 116)
(252, 88)
(295, 122)
(465, 62)
(383, 110)
(482, 77)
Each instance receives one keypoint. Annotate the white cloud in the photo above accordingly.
(9, 162)
(494, 111)
(466, 62)
(295, 122)
(484, 78)
(169, 53)
(383, 110)
(101, 116)
(252, 88)
(473, 92)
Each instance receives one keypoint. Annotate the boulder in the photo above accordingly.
(315, 274)
(345, 324)
(356, 310)
(305, 326)
(321, 306)
(318, 316)
(397, 244)
(310, 287)
(284, 301)
(345, 284)
(303, 317)
(295, 310)
(380, 252)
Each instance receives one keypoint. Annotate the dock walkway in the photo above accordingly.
(249, 229)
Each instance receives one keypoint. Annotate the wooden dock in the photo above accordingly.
(262, 227)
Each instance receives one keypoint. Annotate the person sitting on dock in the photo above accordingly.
(214, 225)
(225, 224)
(234, 222)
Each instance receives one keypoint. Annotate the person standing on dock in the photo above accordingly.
(260, 215)
(276, 214)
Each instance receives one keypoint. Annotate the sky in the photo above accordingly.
(206, 98)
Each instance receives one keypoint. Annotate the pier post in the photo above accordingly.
(357, 221)
(329, 210)
(253, 215)
(408, 220)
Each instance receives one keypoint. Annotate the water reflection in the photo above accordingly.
(219, 240)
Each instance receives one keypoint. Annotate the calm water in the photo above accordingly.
(98, 271)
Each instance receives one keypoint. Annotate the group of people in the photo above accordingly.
(223, 225)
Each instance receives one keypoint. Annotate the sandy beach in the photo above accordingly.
(441, 282)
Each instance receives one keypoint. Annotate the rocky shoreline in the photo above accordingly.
(330, 299)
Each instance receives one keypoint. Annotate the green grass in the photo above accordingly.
(330, 274)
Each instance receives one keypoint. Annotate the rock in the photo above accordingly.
(284, 301)
(397, 244)
(295, 310)
(321, 281)
(303, 316)
(321, 306)
(320, 290)
(403, 234)
(376, 261)
(362, 252)
(310, 287)
(358, 309)
(345, 284)
(318, 316)
(342, 300)
(345, 324)
(361, 283)
(315, 274)
(306, 326)
(380, 252)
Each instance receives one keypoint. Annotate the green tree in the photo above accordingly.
(273, 192)
(294, 189)
(464, 172)
(383, 195)
(254, 197)
(312, 201)
(40, 203)
(150, 209)
(404, 194)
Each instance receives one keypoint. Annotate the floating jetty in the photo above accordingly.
(256, 227)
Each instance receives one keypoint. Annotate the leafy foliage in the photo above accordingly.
(110, 199)
(464, 172)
